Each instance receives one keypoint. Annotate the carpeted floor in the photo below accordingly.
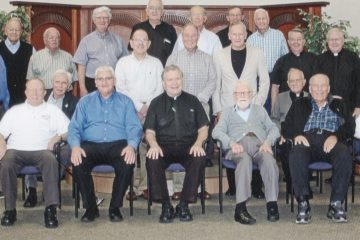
(212, 225)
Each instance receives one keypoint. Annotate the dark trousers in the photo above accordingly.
(11, 165)
(103, 153)
(90, 84)
(300, 157)
(194, 167)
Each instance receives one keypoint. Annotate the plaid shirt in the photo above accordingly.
(323, 118)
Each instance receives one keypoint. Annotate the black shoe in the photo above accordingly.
(183, 213)
(90, 215)
(272, 212)
(328, 180)
(9, 218)
(50, 217)
(258, 194)
(30, 201)
(230, 192)
(115, 215)
(244, 217)
(209, 163)
(167, 214)
(336, 212)
(304, 215)
(207, 195)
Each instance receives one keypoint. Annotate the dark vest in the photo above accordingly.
(16, 69)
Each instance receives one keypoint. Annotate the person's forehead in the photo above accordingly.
(335, 34)
(190, 30)
(154, 3)
(295, 75)
(102, 13)
(104, 73)
(14, 24)
(140, 33)
(236, 29)
(234, 11)
(295, 35)
(261, 14)
(197, 10)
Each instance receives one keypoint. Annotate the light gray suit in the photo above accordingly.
(234, 129)
(255, 66)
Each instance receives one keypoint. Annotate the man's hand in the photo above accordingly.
(265, 148)
(129, 154)
(236, 148)
(76, 155)
(330, 143)
(154, 152)
(197, 151)
(301, 140)
(356, 112)
(52, 142)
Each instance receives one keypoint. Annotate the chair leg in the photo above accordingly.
(76, 191)
(23, 187)
(131, 202)
(202, 186)
(220, 185)
(292, 198)
(353, 185)
(149, 201)
(321, 182)
(346, 202)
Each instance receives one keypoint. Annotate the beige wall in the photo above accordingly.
(338, 9)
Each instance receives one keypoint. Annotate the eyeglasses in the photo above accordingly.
(14, 30)
(137, 40)
(102, 18)
(298, 80)
(242, 94)
(158, 9)
(107, 79)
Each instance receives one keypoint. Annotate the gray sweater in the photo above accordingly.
(232, 128)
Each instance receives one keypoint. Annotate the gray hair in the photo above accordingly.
(105, 68)
(292, 70)
(64, 73)
(335, 29)
(296, 30)
(238, 24)
(261, 10)
(312, 79)
(245, 84)
(101, 9)
(161, 4)
(170, 68)
(47, 32)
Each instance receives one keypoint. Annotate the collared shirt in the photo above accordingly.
(272, 43)
(44, 63)
(30, 128)
(244, 114)
(199, 72)
(176, 121)
(306, 62)
(96, 50)
(163, 38)
(322, 118)
(139, 79)
(208, 42)
(57, 102)
(12, 47)
(105, 120)
(4, 92)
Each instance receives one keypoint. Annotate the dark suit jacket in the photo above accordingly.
(68, 105)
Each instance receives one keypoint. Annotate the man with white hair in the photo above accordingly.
(101, 47)
(45, 62)
(247, 132)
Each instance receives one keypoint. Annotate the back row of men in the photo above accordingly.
(139, 77)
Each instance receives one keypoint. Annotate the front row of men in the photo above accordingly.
(105, 129)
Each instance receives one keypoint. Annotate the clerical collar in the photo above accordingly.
(293, 96)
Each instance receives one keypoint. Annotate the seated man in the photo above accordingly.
(296, 82)
(318, 126)
(247, 131)
(176, 127)
(65, 101)
(31, 130)
(105, 129)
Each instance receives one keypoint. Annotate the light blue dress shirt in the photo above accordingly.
(4, 92)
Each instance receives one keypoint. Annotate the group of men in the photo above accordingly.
(157, 100)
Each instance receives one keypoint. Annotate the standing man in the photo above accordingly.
(175, 128)
(234, 15)
(319, 125)
(296, 58)
(162, 35)
(16, 55)
(343, 69)
(208, 41)
(104, 130)
(248, 133)
(199, 80)
(31, 130)
(96, 49)
(139, 77)
(44, 63)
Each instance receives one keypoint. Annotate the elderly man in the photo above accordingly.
(16, 55)
(31, 130)
(162, 35)
(176, 127)
(296, 58)
(343, 69)
(139, 77)
(101, 47)
(208, 41)
(104, 130)
(239, 62)
(319, 125)
(61, 97)
(248, 133)
(234, 15)
(45, 62)
(199, 79)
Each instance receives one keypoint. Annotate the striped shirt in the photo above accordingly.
(323, 118)
(272, 43)
(199, 72)
(43, 64)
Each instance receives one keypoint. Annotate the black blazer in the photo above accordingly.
(68, 105)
